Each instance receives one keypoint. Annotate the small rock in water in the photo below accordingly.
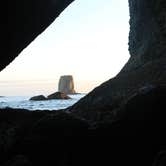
(58, 95)
(38, 98)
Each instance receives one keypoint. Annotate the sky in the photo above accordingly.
(89, 40)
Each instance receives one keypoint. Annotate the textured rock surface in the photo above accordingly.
(160, 159)
(14, 124)
(58, 95)
(66, 84)
(147, 38)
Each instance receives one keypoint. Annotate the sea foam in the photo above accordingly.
(23, 102)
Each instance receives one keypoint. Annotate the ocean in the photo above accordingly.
(23, 102)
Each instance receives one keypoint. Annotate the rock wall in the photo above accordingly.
(145, 68)
(66, 84)
(147, 37)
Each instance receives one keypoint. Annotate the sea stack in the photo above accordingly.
(66, 84)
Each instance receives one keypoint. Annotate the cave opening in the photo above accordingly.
(89, 40)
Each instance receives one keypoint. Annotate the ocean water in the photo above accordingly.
(24, 102)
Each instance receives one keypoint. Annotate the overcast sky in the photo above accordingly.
(89, 40)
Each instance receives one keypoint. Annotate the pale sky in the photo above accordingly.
(89, 40)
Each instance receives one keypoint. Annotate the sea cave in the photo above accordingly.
(120, 122)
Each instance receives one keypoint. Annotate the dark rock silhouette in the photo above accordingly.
(38, 98)
(58, 95)
(19, 160)
(66, 84)
(121, 122)
(160, 159)
(126, 135)
(25, 21)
